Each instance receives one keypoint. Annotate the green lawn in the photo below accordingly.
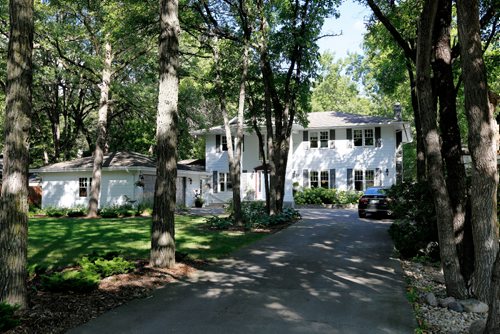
(63, 241)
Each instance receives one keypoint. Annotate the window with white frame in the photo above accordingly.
(84, 186)
(364, 179)
(225, 182)
(369, 137)
(313, 139)
(319, 179)
(364, 137)
(323, 139)
(319, 139)
(325, 179)
(313, 179)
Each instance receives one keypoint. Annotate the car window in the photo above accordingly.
(375, 191)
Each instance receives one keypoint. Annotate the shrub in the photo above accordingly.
(254, 216)
(105, 268)
(219, 223)
(55, 212)
(326, 196)
(415, 232)
(8, 319)
(109, 212)
(77, 211)
(71, 280)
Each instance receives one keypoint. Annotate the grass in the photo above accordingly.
(57, 242)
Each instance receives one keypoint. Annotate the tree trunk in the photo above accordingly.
(455, 285)
(264, 162)
(493, 322)
(14, 201)
(483, 133)
(163, 226)
(456, 179)
(100, 146)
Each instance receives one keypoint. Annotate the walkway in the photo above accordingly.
(329, 273)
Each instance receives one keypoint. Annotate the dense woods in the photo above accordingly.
(81, 78)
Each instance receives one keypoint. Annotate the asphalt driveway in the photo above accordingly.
(330, 273)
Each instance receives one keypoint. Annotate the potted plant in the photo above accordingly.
(198, 200)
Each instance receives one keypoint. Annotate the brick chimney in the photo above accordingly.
(397, 111)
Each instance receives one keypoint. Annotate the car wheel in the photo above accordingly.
(361, 214)
(389, 213)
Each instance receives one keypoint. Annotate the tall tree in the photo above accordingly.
(483, 143)
(100, 146)
(288, 55)
(455, 285)
(14, 200)
(163, 226)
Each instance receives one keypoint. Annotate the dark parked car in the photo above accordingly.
(374, 201)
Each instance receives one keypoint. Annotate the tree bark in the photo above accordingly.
(455, 285)
(14, 201)
(493, 322)
(456, 179)
(163, 226)
(100, 146)
(483, 136)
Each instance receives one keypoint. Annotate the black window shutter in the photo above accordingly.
(215, 181)
(378, 140)
(332, 138)
(332, 179)
(217, 143)
(305, 178)
(349, 179)
(305, 136)
(349, 137)
(243, 143)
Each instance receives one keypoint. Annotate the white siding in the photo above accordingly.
(343, 157)
(62, 189)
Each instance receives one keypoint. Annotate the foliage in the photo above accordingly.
(326, 196)
(415, 232)
(8, 319)
(105, 268)
(53, 211)
(86, 278)
(71, 280)
(59, 242)
(115, 211)
(254, 216)
(77, 211)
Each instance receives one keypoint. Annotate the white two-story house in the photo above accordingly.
(336, 150)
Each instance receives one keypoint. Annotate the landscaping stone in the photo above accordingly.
(431, 299)
(444, 302)
(474, 306)
(455, 306)
(477, 327)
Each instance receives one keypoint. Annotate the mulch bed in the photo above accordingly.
(56, 312)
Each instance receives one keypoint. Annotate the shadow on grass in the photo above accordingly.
(57, 242)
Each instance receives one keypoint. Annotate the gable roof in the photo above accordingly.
(323, 119)
(114, 160)
(328, 119)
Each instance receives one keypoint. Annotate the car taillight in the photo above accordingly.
(363, 200)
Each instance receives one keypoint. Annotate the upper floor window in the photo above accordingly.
(224, 143)
(363, 137)
(319, 139)
(84, 186)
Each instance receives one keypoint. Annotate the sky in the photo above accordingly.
(351, 24)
